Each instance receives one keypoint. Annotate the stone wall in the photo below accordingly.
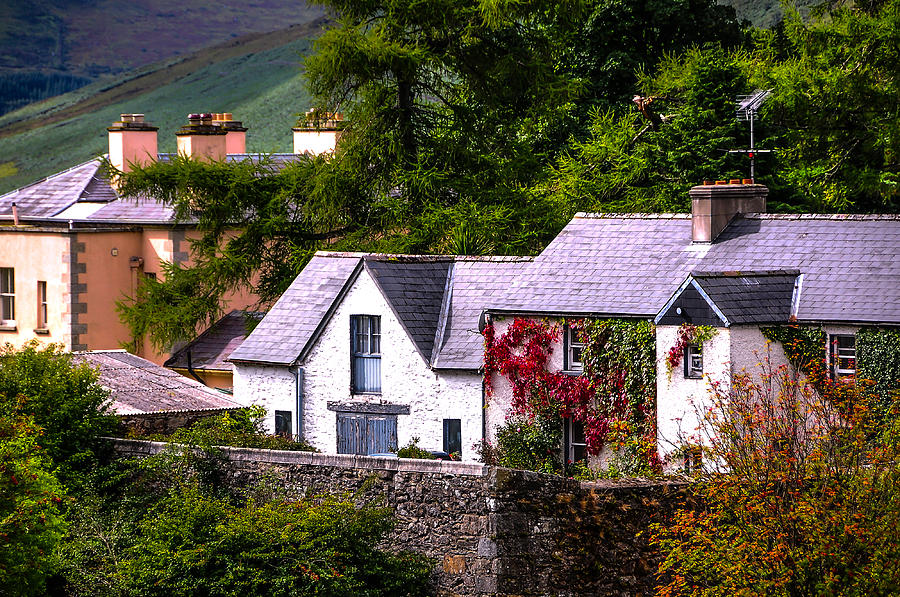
(165, 423)
(491, 531)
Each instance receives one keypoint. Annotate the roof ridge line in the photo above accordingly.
(52, 176)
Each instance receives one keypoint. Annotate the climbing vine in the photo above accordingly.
(805, 349)
(614, 397)
(688, 334)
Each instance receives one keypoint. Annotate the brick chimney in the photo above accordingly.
(132, 141)
(235, 132)
(713, 206)
(318, 132)
(201, 140)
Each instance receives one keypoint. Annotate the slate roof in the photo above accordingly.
(630, 265)
(140, 387)
(415, 290)
(69, 194)
(763, 297)
(438, 299)
(209, 350)
(736, 297)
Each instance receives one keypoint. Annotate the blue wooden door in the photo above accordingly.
(366, 434)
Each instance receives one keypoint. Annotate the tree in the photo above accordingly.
(830, 122)
(65, 400)
(804, 498)
(31, 523)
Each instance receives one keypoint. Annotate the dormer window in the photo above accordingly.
(842, 356)
(693, 361)
(574, 349)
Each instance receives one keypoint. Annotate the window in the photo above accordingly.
(7, 296)
(574, 348)
(575, 448)
(693, 460)
(42, 305)
(365, 351)
(452, 436)
(283, 424)
(693, 361)
(843, 355)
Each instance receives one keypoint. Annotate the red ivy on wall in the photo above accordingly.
(521, 354)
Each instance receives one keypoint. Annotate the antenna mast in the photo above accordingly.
(747, 108)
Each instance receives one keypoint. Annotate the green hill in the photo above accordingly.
(256, 77)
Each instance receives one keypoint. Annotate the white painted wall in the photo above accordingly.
(681, 401)
(271, 387)
(406, 379)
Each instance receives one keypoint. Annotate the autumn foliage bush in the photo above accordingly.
(799, 497)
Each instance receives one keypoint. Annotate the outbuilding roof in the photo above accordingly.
(138, 386)
(210, 350)
(630, 265)
(438, 300)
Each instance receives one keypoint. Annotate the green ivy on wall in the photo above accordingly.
(878, 359)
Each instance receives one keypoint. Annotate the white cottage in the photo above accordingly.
(728, 265)
(365, 352)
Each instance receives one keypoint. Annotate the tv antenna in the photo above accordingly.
(747, 109)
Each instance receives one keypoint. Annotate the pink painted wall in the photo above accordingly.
(37, 256)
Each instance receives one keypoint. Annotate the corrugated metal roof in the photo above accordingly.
(138, 386)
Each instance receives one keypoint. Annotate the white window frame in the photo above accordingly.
(7, 296)
(693, 361)
(43, 311)
(574, 350)
(571, 445)
(839, 356)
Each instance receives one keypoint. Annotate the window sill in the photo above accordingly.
(573, 372)
(355, 393)
(6, 327)
(42, 331)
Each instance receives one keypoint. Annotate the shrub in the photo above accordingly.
(64, 399)
(192, 544)
(412, 450)
(31, 524)
(803, 501)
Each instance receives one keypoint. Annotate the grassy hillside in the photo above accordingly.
(257, 79)
(93, 37)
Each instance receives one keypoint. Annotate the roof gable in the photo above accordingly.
(286, 332)
(414, 289)
(729, 298)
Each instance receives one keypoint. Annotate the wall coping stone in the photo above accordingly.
(411, 465)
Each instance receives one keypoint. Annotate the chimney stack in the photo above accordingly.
(132, 141)
(201, 140)
(235, 132)
(713, 206)
(318, 132)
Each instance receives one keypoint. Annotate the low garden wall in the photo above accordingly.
(491, 531)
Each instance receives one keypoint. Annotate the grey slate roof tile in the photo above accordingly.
(637, 262)
(138, 386)
(414, 286)
(210, 349)
(290, 324)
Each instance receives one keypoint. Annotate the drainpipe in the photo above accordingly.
(298, 385)
(191, 369)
